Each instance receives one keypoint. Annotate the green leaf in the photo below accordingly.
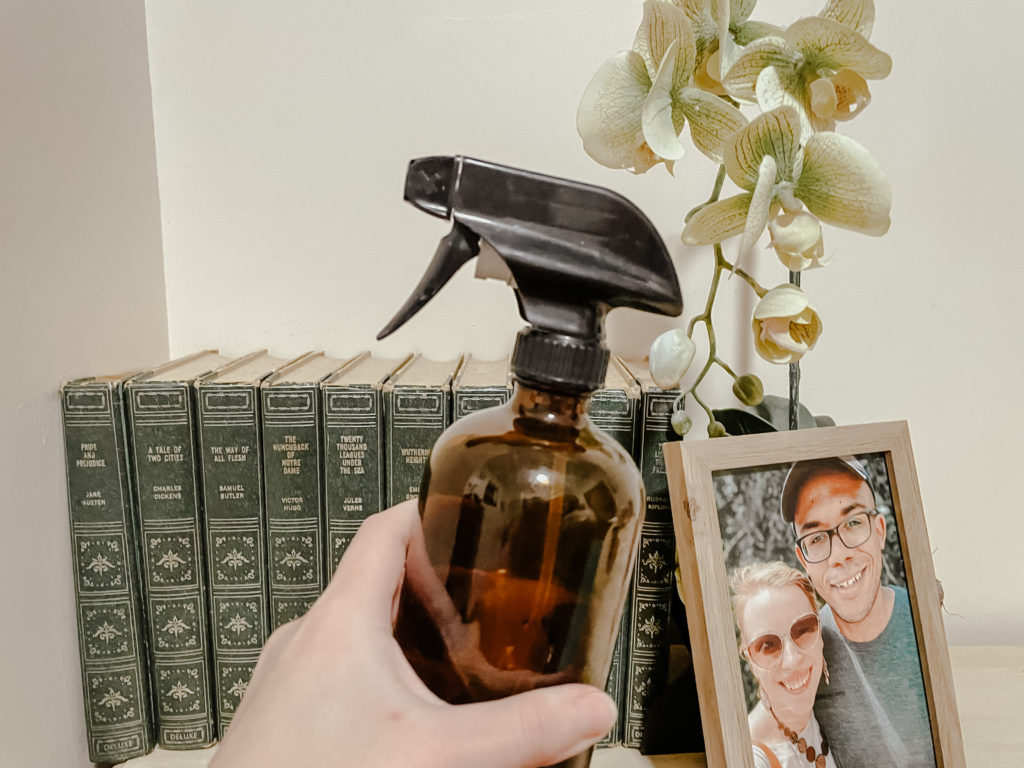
(718, 221)
(842, 184)
(775, 410)
(772, 415)
(740, 422)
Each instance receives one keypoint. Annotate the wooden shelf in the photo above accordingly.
(613, 757)
(990, 696)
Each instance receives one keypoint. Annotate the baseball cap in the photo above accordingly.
(802, 471)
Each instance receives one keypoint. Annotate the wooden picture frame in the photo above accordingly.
(692, 468)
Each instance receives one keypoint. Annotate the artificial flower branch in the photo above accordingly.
(692, 63)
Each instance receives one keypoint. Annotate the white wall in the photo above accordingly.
(81, 293)
(283, 130)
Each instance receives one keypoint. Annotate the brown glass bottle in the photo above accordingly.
(530, 518)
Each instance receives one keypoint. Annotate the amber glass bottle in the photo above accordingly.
(530, 517)
(530, 513)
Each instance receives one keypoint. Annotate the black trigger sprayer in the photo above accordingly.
(530, 513)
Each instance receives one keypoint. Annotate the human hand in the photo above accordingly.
(333, 688)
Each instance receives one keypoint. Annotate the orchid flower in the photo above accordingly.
(635, 107)
(786, 325)
(720, 27)
(836, 178)
(820, 65)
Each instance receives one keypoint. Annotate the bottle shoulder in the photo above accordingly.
(494, 449)
(489, 429)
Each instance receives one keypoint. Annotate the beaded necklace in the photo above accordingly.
(817, 759)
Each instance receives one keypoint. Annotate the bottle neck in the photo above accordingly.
(556, 409)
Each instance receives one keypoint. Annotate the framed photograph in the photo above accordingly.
(814, 613)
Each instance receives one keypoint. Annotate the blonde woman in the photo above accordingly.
(780, 639)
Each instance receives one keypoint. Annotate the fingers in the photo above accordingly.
(371, 570)
(536, 728)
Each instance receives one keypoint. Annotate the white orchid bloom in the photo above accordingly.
(720, 28)
(836, 178)
(670, 357)
(798, 241)
(820, 65)
(786, 325)
(633, 111)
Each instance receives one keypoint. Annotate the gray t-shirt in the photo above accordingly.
(874, 710)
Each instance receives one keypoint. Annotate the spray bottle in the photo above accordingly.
(530, 514)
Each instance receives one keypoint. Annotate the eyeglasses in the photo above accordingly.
(766, 650)
(853, 531)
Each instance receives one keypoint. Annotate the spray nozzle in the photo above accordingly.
(573, 251)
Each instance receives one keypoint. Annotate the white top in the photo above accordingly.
(787, 753)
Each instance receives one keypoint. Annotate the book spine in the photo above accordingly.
(414, 418)
(652, 574)
(111, 635)
(292, 466)
(166, 485)
(616, 413)
(229, 438)
(353, 463)
(469, 400)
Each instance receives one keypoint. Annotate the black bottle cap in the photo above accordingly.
(554, 360)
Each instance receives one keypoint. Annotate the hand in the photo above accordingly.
(334, 689)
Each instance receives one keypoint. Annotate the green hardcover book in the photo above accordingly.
(615, 408)
(292, 427)
(231, 465)
(161, 411)
(108, 591)
(651, 594)
(417, 409)
(353, 434)
(480, 384)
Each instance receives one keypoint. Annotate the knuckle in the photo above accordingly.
(281, 637)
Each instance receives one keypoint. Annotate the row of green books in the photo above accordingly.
(212, 498)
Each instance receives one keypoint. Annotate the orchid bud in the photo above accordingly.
(670, 356)
(716, 429)
(748, 389)
(681, 422)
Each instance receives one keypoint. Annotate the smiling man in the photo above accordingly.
(872, 707)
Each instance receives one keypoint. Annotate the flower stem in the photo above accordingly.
(705, 317)
(711, 416)
(794, 376)
(725, 367)
(759, 289)
(715, 192)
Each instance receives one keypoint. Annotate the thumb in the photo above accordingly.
(536, 728)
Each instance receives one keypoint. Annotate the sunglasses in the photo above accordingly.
(766, 650)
